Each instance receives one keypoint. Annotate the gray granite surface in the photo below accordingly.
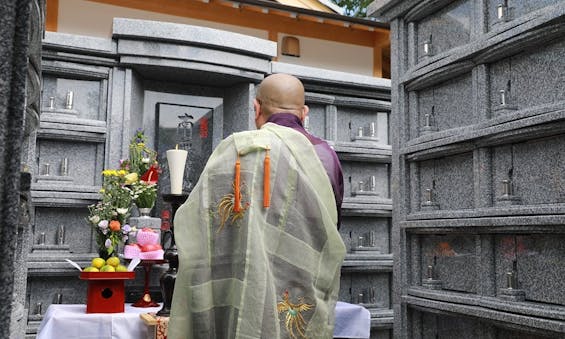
(193, 35)
(477, 193)
(20, 88)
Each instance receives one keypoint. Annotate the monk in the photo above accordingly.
(260, 254)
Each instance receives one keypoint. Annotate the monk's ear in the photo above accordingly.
(304, 114)
(257, 108)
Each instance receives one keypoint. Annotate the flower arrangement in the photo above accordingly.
(144, 171)
(109, 216)
(134, 182)
(144, 194)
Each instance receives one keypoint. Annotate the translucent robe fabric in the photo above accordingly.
(232, 278)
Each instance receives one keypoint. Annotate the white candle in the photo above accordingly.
(177, 160)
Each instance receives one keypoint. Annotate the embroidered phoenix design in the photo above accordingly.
(294, 321)
(226, 209)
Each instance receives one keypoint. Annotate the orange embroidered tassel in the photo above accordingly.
(267, 179)
(236, 187)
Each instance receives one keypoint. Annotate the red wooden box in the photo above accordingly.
(105, 293)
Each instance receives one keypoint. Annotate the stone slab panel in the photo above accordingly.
(195, 35)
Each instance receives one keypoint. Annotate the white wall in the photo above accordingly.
(94, 19)
(331, 55)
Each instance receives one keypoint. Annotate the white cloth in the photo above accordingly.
(72, 322)
(352, 321)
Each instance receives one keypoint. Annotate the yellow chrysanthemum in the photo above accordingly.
(131, 178)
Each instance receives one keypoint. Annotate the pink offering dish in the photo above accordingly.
(147, 236)
(151, 251)
(147, 246)
(132, 251)
(152, 255)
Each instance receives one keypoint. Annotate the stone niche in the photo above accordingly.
(447, 327)
(366, 289)
(444, 30)
(444, 326)
(451, 260)
(355, 125)
(533, 264)
(317, 120)
(531, 171)
(528, 79)
(443, 106)
(366, 179)
(54, 291)
(366, 235)
(513, 9)
(62, 162)
(502, 333)
(54, 235)
(87, 100)
(443, 183)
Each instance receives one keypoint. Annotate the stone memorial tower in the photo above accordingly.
(20, 85)
(478, 98)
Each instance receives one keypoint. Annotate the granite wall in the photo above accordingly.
(20, 51)
(477, 123)
(146, 77)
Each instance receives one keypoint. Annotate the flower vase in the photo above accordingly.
(145, 212)
(103, 253)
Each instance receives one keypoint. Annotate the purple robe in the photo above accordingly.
(325, 152)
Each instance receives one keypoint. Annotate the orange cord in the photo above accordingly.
(236, 184)
(267, 180)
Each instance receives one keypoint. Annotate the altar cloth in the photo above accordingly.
(72, 322)
(352, 321)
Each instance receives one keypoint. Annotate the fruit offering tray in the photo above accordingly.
(106, 275)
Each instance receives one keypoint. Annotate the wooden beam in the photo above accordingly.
(382, 40)
(52, 15)
(217, 11)
(274, 36)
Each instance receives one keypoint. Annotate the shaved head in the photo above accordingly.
(279, 93)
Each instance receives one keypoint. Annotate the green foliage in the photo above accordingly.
(354, 8)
